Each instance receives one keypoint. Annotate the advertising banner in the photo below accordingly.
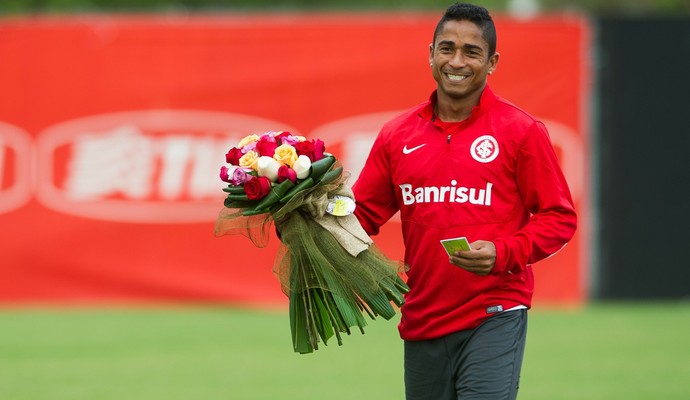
(113, 130)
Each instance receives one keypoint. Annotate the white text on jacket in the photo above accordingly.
(449, 194)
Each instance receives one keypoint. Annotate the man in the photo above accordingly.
(466, 163)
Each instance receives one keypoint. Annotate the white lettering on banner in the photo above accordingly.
(15, 167)
(116, 162)
(446, 194)
(127, 162)
(156, 166)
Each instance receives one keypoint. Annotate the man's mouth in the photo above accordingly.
(455, 77)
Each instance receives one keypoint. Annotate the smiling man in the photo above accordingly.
(466, 164)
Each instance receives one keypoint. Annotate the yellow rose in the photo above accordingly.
(301, 138)
(285, 154)
(247, 140)
(249, 160)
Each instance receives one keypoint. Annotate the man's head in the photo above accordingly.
(462, 54)
(469, 12)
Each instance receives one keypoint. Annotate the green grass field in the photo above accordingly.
(607, 351)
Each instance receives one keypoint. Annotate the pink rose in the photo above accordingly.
(257, 188)
(289, 139)
(285, 172)
(233, 156)
(266, 146)
(319, 149)
(239, 176)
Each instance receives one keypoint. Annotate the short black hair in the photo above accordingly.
(470, 12)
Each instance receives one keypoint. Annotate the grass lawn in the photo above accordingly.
(606, 351)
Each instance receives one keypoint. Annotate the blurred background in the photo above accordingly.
(115, 117)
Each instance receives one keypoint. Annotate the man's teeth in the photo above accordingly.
(453, 77)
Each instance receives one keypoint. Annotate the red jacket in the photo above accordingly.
(493, 176)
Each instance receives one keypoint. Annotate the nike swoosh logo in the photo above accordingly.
(408, 151)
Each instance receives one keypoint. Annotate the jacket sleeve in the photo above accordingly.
(545, 194)
(374, 193)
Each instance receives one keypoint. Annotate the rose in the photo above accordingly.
(302, 166)
(268, 167)
(257, 188)
(247, 140)
(286, 173)
(305, 149)
(289, 139)
(266, 146)
(239, 176)
(249, 160)
(314, 149)
(319, 149)
(281, 136)
(225, 173)
(233, 156)
(285, 154)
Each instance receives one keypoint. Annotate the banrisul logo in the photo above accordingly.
(158, 166)
(446, 194)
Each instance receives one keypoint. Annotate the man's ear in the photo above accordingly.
(493, 62)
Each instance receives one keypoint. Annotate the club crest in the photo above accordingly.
(484, 149)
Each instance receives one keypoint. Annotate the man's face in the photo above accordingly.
(460, 60)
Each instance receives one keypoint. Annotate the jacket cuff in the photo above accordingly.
(505, 262)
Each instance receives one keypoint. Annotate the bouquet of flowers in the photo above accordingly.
(328, 266)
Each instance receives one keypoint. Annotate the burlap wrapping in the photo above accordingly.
(311, 203)
(322, 259)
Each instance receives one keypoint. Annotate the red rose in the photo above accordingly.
(257, 188)
(224, 174)
(280, 136)
(233, 156)
(266, 146)
(305, 149)
(285, 172)
(319, 149)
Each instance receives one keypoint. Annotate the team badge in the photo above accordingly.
(484, 149)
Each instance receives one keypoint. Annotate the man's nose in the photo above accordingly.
(457, 60)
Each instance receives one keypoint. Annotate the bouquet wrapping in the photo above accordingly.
(328, 266)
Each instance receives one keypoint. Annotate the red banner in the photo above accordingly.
(113, 130)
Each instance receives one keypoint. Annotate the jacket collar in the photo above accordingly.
(485, 100)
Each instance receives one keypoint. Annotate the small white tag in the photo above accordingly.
(340, 206)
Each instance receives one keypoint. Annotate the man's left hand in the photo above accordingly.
(480, 260)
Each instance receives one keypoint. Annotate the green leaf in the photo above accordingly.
(319, 167)
(238, 197)
(253, 211)
(275, 195)
(234, 189)
(305, 184)
(331, 175)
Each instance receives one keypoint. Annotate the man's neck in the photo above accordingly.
(450, 109)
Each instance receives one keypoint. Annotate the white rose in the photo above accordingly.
(302, 167)
(268, 167)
